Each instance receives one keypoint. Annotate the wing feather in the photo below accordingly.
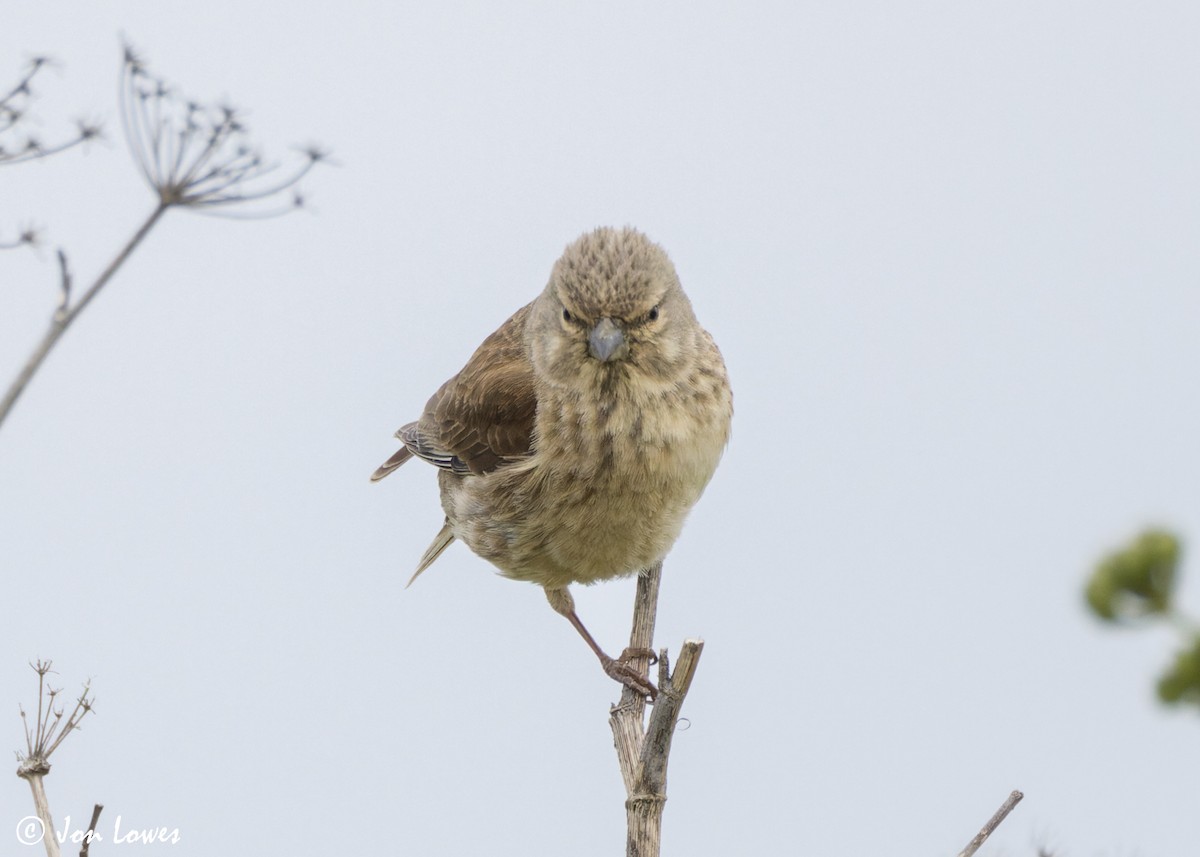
(482, 417)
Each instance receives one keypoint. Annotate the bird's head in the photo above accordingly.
(613, 309)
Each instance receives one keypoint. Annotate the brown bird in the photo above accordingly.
(580, 434)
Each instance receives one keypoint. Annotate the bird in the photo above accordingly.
(578, 436)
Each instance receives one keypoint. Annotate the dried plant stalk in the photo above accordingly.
(643, 748)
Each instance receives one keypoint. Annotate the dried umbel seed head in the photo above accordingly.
(201, 156)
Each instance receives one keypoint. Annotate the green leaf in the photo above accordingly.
(1181, 683)
(1136, 581)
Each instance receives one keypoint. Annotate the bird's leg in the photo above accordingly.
(618, 668)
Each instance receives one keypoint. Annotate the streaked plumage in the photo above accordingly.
(578, 436)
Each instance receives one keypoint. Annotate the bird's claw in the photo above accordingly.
(620, 671)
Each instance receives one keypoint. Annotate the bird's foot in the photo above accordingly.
(621, 671)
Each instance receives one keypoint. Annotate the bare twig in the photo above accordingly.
(64, 286)
(643, 750)
(41, 806)
(993, 822)
(64, 316)
(91, 831)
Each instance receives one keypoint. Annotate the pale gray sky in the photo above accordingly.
(949, 252)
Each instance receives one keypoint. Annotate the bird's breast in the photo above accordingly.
(605, 492)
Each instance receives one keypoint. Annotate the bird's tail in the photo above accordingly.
(440, 542)
(402, 455)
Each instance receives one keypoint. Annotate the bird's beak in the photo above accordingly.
(606, 341)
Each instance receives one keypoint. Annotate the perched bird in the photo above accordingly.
(579, 435)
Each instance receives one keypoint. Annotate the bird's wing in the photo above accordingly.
(483, 416)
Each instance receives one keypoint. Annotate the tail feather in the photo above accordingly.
(440, 542)
(402, 455)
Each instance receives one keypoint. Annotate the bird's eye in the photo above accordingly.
(566, 314)
(653, 314)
